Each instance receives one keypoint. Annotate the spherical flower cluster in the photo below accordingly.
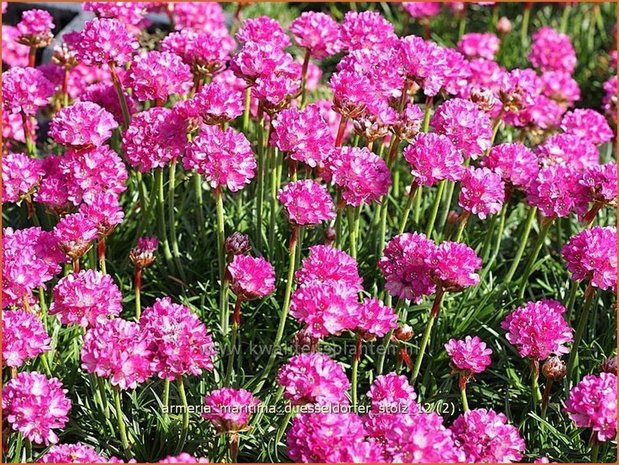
(552, 51)
(25, 90)
(538, 329)
(104, 211)
(422, 10)
(592, 403)
(469, 128)
(86, 298)
(251, 277)
(317, 32)
(470, 354)
(263, 30)
(375, 319)
(183, 457)
(587, 124)
(362, 176)
(72, 453)
(568, 149)
(592, 255)
(255, 60)
(600, 183)
(143, 254)
(199, 16)
(313, 379)
(609, 102)
(20, 176)
(560, 86)
(104, 95)
(485, 436)
(83, 124)
(14, 54)
(482, 192)
(118, 350)
(275, 91)
(74, 234)
(423, 63)
(129, 13)
(154, 138)
(216, 103)
(229, 410)
(225, 158)
(367, 29)
(35, 405)
(325, 263)
(391, 393)
(25, 337)
(552, 191)
(515, 163)
(157, 75)
(306, 203)
(35, 28)
(432, 158)
(179, 342)
(479, 45)
(353, 93)
(455, 266)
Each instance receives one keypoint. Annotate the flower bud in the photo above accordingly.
(303, 342)
(237, 244)
(330, 235)
(609, 365)
(404, 333)
(143, 254)
(503, 26)
(483, 98)
(554, 369)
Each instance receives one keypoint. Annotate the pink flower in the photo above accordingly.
(560, 86)
(118, 350)
(591, 255)
(25, 90)
(104, 95)
(104, 211)
(154, 138)
(479, 45)
(469, 128)
(72, 453)
(482, 192)
(103, 41)
(455, 266)
(485, 436)
(225, 158)
(352, 93)
(456, 72)
(359, 452)
(180, 344)
(422, 10)
(20, 176)
(424, 63)
(306, 202)
(592, 403)
(367, 29)
(325, 263)
(263, 30)
(132, 14)
(199, 16)
(552, 51)
(157, 75)
(255, 60)
(53, 189)
(317, 32)
(362, 176)
(600, 183)
(74, 234)
(184, 457)
(391, 393)
(216, 103)
(35, 28)
(470, 354)
(587, 124)
(276, 90)
(143, 254)
(515, 163)
(25, 337)
(609, 102)
(432, 158)
(538, 329)
(568, 149)
(229, 409)
(553, 191)
(313, 379)
(35, 405)
(409, 122)
(544, 113)
(83, 124)
(14, 54)
(252, 278)
(375, 319)
(405, 266)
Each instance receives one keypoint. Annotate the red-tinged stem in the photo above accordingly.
(137, 287)
(340, 131)
(121, 94)
(101, 248)
(304, 68)
(76, 265)
(32, 57)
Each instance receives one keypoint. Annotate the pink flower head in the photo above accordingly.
(456, 72)
(352, 93)
(317, 32)
(313, 378)
(53, 189)
(538, 329)
(600, 183)
(409, 122)
(143, 254)
(104, 211)
(405, 266)
(20, 176)
(424, 63)
(482, 192)
(157, 75)
(179, 341)
(14, 54)
(118, 350)
(92, 171)
(276, 90)
(552, 191)
(229, 410)
(470, 354)
(35, 28)
(544, 113)
(252, 278)
(225, 158)
(25, 90)
(368, 451)
(375, 319)
(560, 86)
(485, 436)
(35, 405)
(75, 234)
(552, 51)
(469, 128)
(591, 255)
(515, 163)
(592, 403)
(455, 266)
(391, 393)
(83, 124)
(306, 202)
(25, 337)
(103, 41)
(362, 176)
(326, 263)
(183, 457)
(216, 103)
(86, 298)
(130, 13)
(198, 16)
(72, 453)
(104, 95)
(422, 10)
(263, 30)
(479, 45)
(609, 102)
(256, 60)
(568, 149)
(432, 158)
(154, 138)
(303, 134)
(517, 91)
(587, 124)
(367, 29)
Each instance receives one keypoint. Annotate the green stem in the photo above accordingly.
(536, 395)
(524, 237)
(121, 95)
(104, 402)
(580, 329)
(26, 126)
(233, 338)
(221, 258)
(121, 421)
(435, 207)
(524, 32)
(260, 176)
(161, 220)
(172, 218)
(247, 109)
(446, 207)
(465, 401)
(407, 208)
(595, 450)
(352, 232)
(306, 60)
(567, 9)
(28, 451)
(137, 287)
(185, 424)
(426, 333)
(275, 182)
(530, 267)
(463, 221)
(197, 189)
(355, 368)
(166, 399)
(284, 424)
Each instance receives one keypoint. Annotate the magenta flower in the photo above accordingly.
(35, 405)
(183, 457)
(313, 379)
(132, 14)
(568, 149)
(104, 95)
(143, 254)
(20, 176)
(276, 90)
(72, 453)
(553, 191)
(482, 192)
(199, 16)
(254, 60)
(25, 337)
(587, 124)
(552, 51)
(216, 103)
(609, 102)
(409, 122)
(424, 63)
(600, 183)
(157, 75)
(75, 233)
(375, 319)
(179, 342)
(560, 86)
(485, 436)
(325, 263)
(229, 410)
(25, 90)
(35, 28)
(103, 41)
(368, 451)
(317, 32)
(53, 189)
(118, 350)
(515, 163)
(422, 10)
(352, 93)
(538, 329)
(251, 278)
(263, 30)
(591, 255)
(83, 124)
(306, 202)
(454, 266)
(391, 393)
(479, 45)
(104, 211)
(470, 354)
(367, 29)
(592, 403)
(14, 54)
(225, 158)
(432, 158)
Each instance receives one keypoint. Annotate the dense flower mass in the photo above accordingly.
(325, 263)
(391, 393)
(306, 203)
(157, 75)
(479, 45)
(587, 124)
(20, 176)
(25, 90)
(229, 410)
(515, 163)
(482, 192)
(72, 453)
(552, 51)
(455, 266)
(375, 319)
(251, 277)
(317, 32)
(103, 41)
(82, 124)
(469, 354)
(24, 337)
(432, 158)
